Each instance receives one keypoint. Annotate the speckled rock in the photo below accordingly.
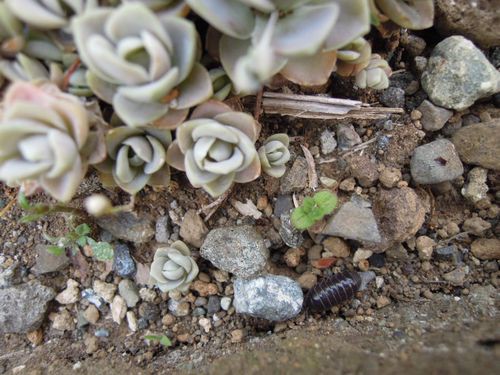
(23, 307)
(458, 74)
(128, 227)
(123, 264)
(353, 221)
(239, 250)
(476, 186)
(363, 169)
(433, 117)
(479, 144)
(328, 142)
(270, 297)
(435, 162)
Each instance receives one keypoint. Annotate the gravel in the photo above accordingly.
(128, 227)
(123, 264)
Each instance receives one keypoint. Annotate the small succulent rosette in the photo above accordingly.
(144, 65)
(274, 155)
(410, 14)
(46, 138)
(136, 158)
(375, 75)
(216, 148)
(353, 57)
(173, 267)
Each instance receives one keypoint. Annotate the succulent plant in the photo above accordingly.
(173, 268)
(136, 158)
(353, 57)
(49, 14)
(274, 155)
(164, 8)
(411, 14)
(375, 75)
(221, 84)
(11, 40)
(23, 68)
(143, 65)
(216, 147)
(43, 136)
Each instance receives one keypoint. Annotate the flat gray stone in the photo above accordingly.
(433, 117)
(23, 307)
(47, 262)
(270, 297)
(328, 142)
(295, 179)
(347, 136)
(239, 250)
(435, 162)
(353, 221)
(127, 226)
(458, 74)
(129, 292)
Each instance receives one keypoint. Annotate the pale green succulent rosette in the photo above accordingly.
(274, 155)
(143, 65)
(23, 68)
(221, 83)
(375, 75)
(11, 39)
(173, 268)
(353, 57)
(411, 14)
(216, 148)
(136, 158)
(164, 8)
(43, 134)
(49, 14)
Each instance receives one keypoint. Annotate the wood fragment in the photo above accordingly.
(212, 208)
(247, 209)
(311, 168)
(320, 107)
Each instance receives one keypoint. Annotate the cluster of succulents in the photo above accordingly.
(141, 63)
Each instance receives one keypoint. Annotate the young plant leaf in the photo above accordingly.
(82, 229)
(102, 250)
(81, 241)
(23, 201)
(55, 250)
(162, 339)
(326, 201)
(300, 219)
(30, 218)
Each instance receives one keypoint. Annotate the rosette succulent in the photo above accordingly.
(43, 138)
(216, 147)
(11, 40)
(296, 38)
(274, 155)
(353, 57)
(375, 75)
(136, 158)
(23, 68)
(411, 14)
(173, 267)
(143, 65)
(164, 8)
(221, 83)
(49, 14)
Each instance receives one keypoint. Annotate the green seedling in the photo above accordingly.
(313, 209)
(35, 211)
(162, 339)
(76, 238)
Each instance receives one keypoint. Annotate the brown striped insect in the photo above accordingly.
(332, 290)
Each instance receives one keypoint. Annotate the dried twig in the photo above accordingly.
(311, 168)
(212, 208)
(67, 76)
(359, 147)
(7, 207)
(258, 105)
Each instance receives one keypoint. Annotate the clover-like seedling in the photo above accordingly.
(162, 339)
(313, 209)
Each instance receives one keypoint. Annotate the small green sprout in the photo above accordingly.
(162, 339)
(313, 209)
(76, 238)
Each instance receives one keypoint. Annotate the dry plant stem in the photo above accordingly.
(7, 208)
(359, 147)
(67, 76)
(212, 208)
(258, 105)
(311, 168)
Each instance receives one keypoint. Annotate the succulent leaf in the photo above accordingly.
(353, 57)
(173, 268)
(411, 14)
(274, 155)
(375, 75)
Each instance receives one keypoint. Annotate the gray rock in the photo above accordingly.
(178, 308)
(283, 205)
(101, 332)
(23, 307)
(328, 142)
(128, 227)
(199, 311)
(123, 264)
(433, 117)
(288, 233)
(366, 278)
(213, 305)
(448, 254)
(457, 276)
(129, 292)
(295, 179)
(10, 276)
(353, 221)
(435, 162)
(239, 250)
(413, 44)
(225, 303)
(479, 144)
(47, 262)
(458, 74)
(93, 298)
(270, 297)
(393, 97)
(347, 137)
(193, 229)
(476, 187)
(162, 233)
